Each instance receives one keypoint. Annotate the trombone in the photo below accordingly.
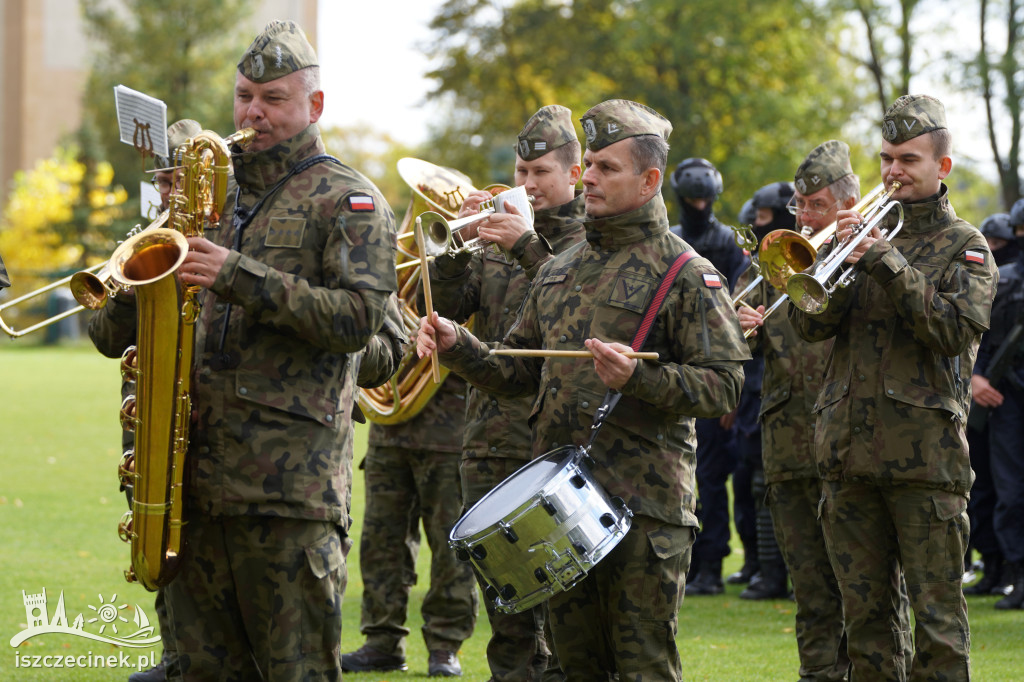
(786, 253)
(91, 287)
(810, 291)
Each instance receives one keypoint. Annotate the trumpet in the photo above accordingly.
(810, 291)
(441, 234)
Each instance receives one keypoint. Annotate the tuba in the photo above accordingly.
(160, 363)
(441, 191)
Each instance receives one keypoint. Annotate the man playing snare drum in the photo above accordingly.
(623, 616)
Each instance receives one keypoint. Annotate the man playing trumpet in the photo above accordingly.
(596, 295)
(491, 287)
(890, 433)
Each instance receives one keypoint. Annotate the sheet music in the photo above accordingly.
(141, 120)
(515, 196)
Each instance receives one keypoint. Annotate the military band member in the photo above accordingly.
(823, 184)
(491, 287)
(890, 432)
(623, 616)
(296, 279)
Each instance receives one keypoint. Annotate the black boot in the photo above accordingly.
(708, 581)
(1015, 599)
(770, 583)
(744, 575)
(993, 567)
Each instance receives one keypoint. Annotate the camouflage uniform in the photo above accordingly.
(307, 285)
(889, 437)
(412, 474)
(623, 616)
(497, 437)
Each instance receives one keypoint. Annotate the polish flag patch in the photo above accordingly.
(974, 257)
(360, 202)
(712, 281)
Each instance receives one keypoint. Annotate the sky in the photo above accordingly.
(368, 49)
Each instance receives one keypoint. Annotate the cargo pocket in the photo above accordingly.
(950, 533)
(325, 584)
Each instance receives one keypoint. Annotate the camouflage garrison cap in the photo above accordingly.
(548, 129)
(912, 115)
(617, 119)
(281, 49)
(178, 133)
(828, 162)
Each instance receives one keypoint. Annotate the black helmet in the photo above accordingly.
(997, 226)
(696, 179)
(748, 213)
(774, 196)
(1017, 213)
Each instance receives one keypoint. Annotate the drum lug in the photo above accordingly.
(540, 575)
(578, 481)
(618, 502)
(508, 592)
(547, 506)
(607, 520)
(478, 552)
(461, 555)
(509, 533)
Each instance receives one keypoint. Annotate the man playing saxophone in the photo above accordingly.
(295, 279)
(890, 437)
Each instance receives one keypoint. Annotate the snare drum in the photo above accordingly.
(540, 530)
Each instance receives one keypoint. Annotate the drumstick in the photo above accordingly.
(542, 353)
(435, 370)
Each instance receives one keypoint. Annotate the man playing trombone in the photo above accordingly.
(823, 184)
(890, 436)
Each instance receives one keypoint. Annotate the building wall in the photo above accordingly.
(44, 62)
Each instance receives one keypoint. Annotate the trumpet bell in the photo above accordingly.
(90, 290)
(783, 253)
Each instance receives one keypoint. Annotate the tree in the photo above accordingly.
(180, 53)
(752, 89)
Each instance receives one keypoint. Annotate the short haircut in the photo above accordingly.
(942, 141)
(649, 151)
(568, 155)
(846, 187)
(310, 80)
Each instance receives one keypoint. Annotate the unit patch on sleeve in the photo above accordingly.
(974, 257)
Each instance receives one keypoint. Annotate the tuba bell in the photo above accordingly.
(442, 191)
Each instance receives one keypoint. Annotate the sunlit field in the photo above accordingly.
(59, 508)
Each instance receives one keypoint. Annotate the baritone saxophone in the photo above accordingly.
(160, 363)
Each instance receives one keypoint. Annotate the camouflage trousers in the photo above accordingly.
(259, 598)
(872, 531)
(518, 650)
(820, 633)
(620, 622)
(403, 487)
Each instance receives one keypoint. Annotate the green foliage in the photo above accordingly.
(752, 89)
(177, 52)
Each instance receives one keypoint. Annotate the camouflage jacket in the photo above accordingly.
(896, 390)
(646, 450)
(113, 327)
(306, 286)
(792, 378)
(493, 289)
(438, 427)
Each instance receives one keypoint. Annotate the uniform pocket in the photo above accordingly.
(325, 583)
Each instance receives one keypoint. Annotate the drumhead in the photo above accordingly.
(512, 492)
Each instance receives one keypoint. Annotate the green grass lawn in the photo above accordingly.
(59, 508)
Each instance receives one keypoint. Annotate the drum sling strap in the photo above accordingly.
(611, 398)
